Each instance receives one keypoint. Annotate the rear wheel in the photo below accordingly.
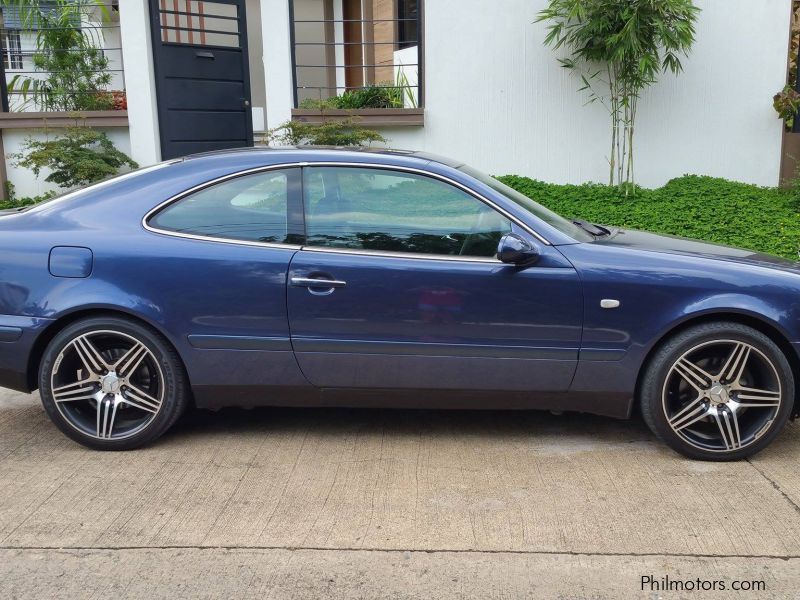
(718, 391)
(112, 384)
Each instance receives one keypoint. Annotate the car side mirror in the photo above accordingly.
(516, 250)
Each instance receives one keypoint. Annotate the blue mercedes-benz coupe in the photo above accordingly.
(323, 277)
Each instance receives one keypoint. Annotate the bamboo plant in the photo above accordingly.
(618, 48)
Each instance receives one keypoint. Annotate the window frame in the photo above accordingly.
(13, 58)
(296, 214)
(420, 87)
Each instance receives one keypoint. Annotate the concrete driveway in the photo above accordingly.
(398, 504)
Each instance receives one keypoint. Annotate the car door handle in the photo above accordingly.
(311, 282)
(204, 54)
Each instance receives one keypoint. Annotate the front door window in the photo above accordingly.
(393, 211)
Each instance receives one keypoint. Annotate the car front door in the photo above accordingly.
(398, 287)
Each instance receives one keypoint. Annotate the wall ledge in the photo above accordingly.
(61, 120)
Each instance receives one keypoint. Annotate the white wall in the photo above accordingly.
(496, 98)
(137, 54)
(277, 61)
(25, 183)
(255, 52)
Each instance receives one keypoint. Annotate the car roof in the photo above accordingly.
(323, 153)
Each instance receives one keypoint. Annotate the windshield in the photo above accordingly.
(545, 214)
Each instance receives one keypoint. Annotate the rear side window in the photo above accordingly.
(251, 208)
(394, 211)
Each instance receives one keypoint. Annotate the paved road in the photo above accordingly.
(400, 504)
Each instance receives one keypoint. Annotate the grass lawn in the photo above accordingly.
(716, 210)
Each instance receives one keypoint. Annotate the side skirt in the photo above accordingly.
(215, 397)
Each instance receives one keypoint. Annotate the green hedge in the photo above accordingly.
(24, 202)
(717, 210)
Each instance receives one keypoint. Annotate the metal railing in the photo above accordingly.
(355, 58)
(61, 56)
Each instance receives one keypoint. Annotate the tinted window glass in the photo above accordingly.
(252, 208)
(376, 209)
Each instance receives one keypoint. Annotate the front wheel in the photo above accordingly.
(112, 384)
(718, 391)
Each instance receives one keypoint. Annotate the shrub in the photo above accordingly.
(14, 201)
(371, 96)
(343, 132)
(706, 208)
(78, 157)
(786, 103)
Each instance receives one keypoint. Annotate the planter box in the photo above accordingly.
(368, 117)
(45, 120)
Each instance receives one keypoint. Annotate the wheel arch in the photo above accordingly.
(765, 326)
(66, 319)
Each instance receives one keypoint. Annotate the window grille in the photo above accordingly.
(353, 54)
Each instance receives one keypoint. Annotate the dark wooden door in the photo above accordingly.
(202, 77)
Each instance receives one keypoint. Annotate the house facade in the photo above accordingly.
(469, 79)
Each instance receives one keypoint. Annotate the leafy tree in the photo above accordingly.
(621, 46)
(78, 157)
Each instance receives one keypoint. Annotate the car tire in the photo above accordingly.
(718, 391)
(111, 383)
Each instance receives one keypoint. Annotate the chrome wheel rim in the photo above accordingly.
(108, 385)
(722, 396)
